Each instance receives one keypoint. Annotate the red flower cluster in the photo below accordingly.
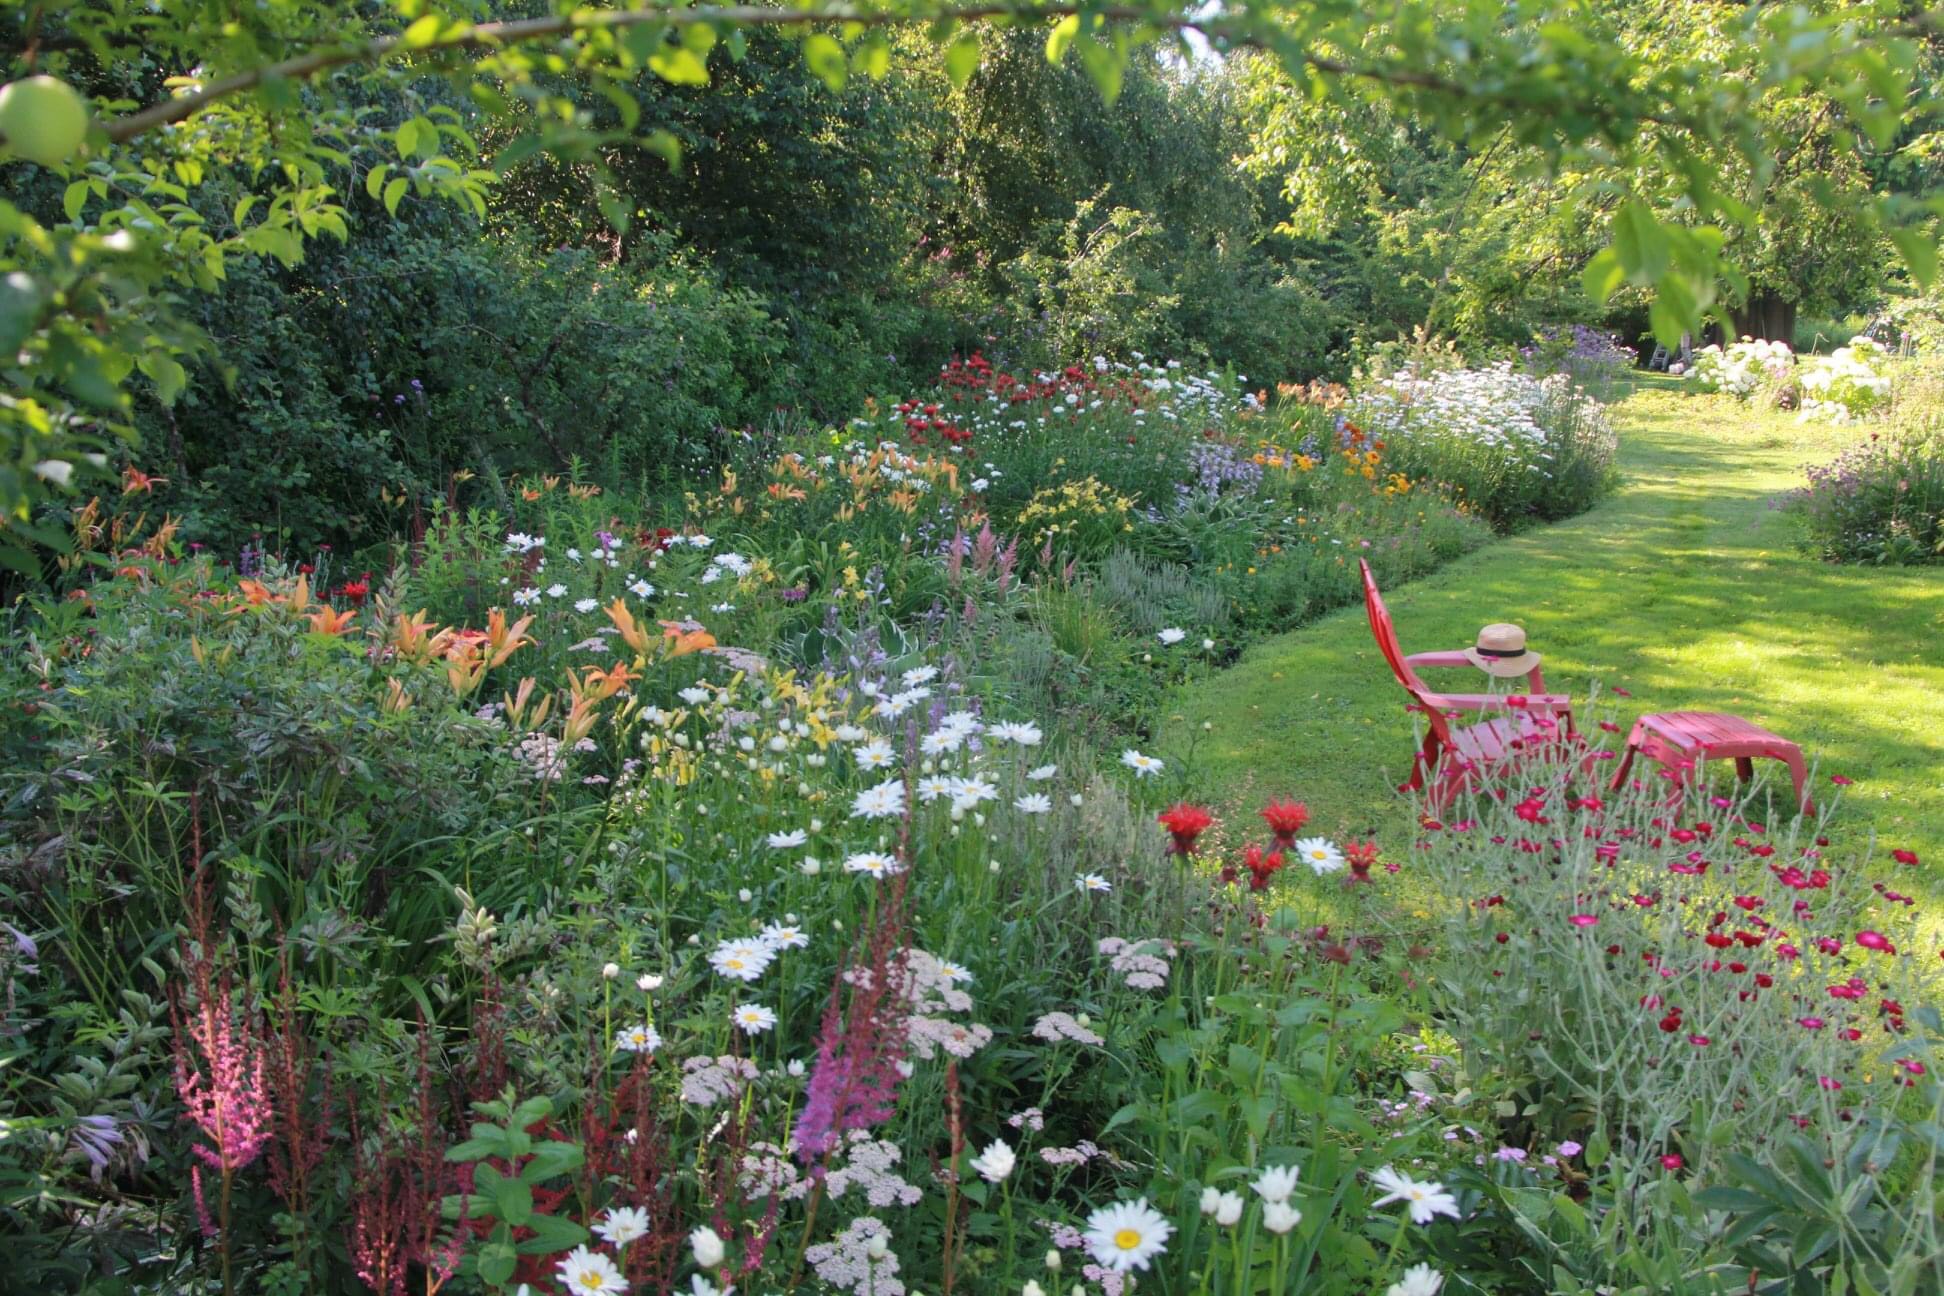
(922, 420)
(1262, 866)
(1285, 819)
(1184, 823)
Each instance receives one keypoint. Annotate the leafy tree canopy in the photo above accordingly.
(218, 132)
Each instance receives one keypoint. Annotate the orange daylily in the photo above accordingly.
(134, 479)
(681, 641)
(328, 620)
(600, 685)
(416, 639)
(504, 640)
(579, 721)
(631, 633)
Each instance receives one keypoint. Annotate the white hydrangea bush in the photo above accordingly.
(1851, 382)
(1742, 368)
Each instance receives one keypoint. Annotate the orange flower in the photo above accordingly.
(599, 685)
(504, 640)
(631, 632)
(328, 620)
(255, 593)
(681, 641)
(134, 479)
(578, 722)
(416, 639)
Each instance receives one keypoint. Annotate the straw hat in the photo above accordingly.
(1501, 651)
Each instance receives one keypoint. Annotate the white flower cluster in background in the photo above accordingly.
(1850, 382)
(1743, 367)
(1497, 407)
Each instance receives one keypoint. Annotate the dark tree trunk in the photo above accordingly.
(1766, 316)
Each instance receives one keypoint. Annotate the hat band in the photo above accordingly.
(1500, 652)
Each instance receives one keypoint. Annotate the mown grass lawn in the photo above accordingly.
(1685, 589)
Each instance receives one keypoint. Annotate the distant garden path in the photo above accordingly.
(1684, 588)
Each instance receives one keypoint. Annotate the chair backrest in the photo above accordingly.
(1386, 636)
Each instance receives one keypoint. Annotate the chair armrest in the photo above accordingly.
(1435, 659)
(1546, 702)
(1535, 681)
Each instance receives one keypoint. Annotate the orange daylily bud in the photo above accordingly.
(631, 632)
(579, 721)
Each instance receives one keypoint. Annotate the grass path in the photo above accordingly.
(1683, 588)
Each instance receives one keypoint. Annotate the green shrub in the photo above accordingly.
(361, 387)
(1881, 501)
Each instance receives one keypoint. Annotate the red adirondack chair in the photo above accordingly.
(1451, 756)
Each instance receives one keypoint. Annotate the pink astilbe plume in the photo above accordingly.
(854, 1081)
(222, 1087)
(219, 1060)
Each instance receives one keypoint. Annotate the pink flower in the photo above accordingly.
(1583, 920)
(1840, 781)
(1810, 1023)
(1672, 1161)
(1875, 940)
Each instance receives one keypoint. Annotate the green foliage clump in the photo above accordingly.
(360, 384)
(1881, 501)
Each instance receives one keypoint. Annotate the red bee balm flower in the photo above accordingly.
(1360, 856)
(1285, 820)
(1184, 823)
(1262, 865)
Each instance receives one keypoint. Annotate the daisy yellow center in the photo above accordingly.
(1127, 1239)
(733, 963)
(1415, 1193)
(1320, 854)
(591, 1280)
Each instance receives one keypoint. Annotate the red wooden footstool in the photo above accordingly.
(1679, 740)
